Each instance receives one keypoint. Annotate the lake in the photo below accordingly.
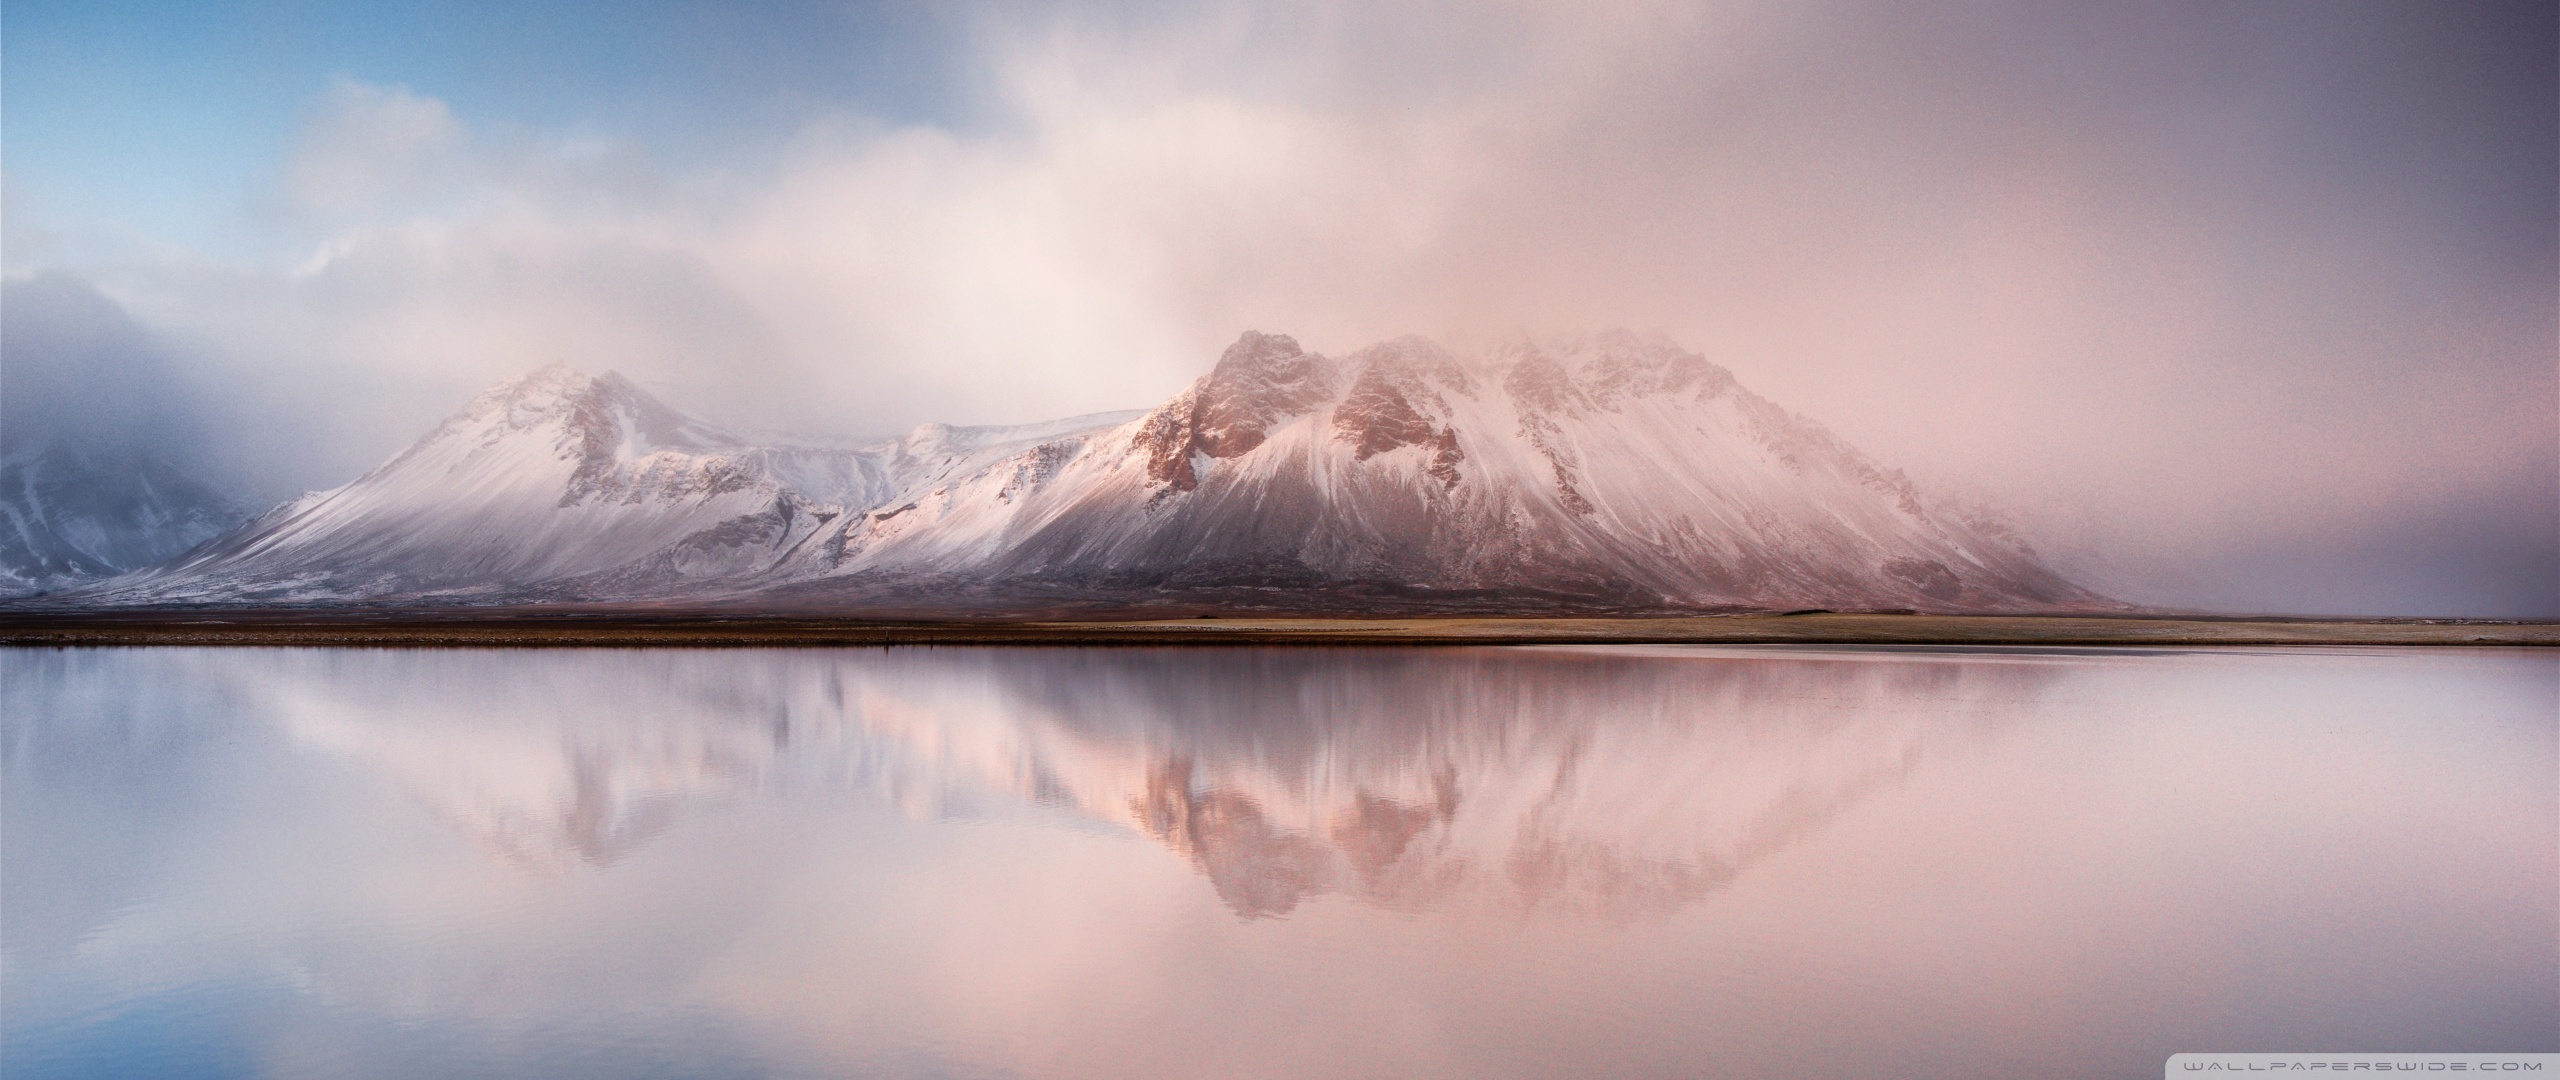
(1409, 862)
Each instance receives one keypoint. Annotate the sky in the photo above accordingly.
(2248, 306)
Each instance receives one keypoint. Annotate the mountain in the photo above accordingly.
(104, 467)
(562, 485)
(72, 512)
(1606, 472)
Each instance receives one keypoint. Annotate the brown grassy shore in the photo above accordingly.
(522, 628)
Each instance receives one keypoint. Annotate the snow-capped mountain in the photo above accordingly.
(1612, 469)
(1609, 471)
(72, 512)
(562, 484)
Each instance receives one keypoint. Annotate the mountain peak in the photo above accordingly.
(556, 377)
(1260, 381)
(1255, 350)
(527, 400)
(598, 410)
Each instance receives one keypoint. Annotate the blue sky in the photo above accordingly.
(172, 117)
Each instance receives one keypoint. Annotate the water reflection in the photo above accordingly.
(1272, 862)
(1600, 782)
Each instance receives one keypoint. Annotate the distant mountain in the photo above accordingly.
(1610, 472)
(103, 463)
(72, 512)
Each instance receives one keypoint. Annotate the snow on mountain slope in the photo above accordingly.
(1607, 471)
(559, 484)
(1611, 469)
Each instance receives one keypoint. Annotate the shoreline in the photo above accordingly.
(520, 629)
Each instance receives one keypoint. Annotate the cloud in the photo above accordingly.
(73, 365)
(372, 144)
(2177, 288)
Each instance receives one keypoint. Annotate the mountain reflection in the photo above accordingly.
(1611, 782)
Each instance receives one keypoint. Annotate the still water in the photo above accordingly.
(1316, 862)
